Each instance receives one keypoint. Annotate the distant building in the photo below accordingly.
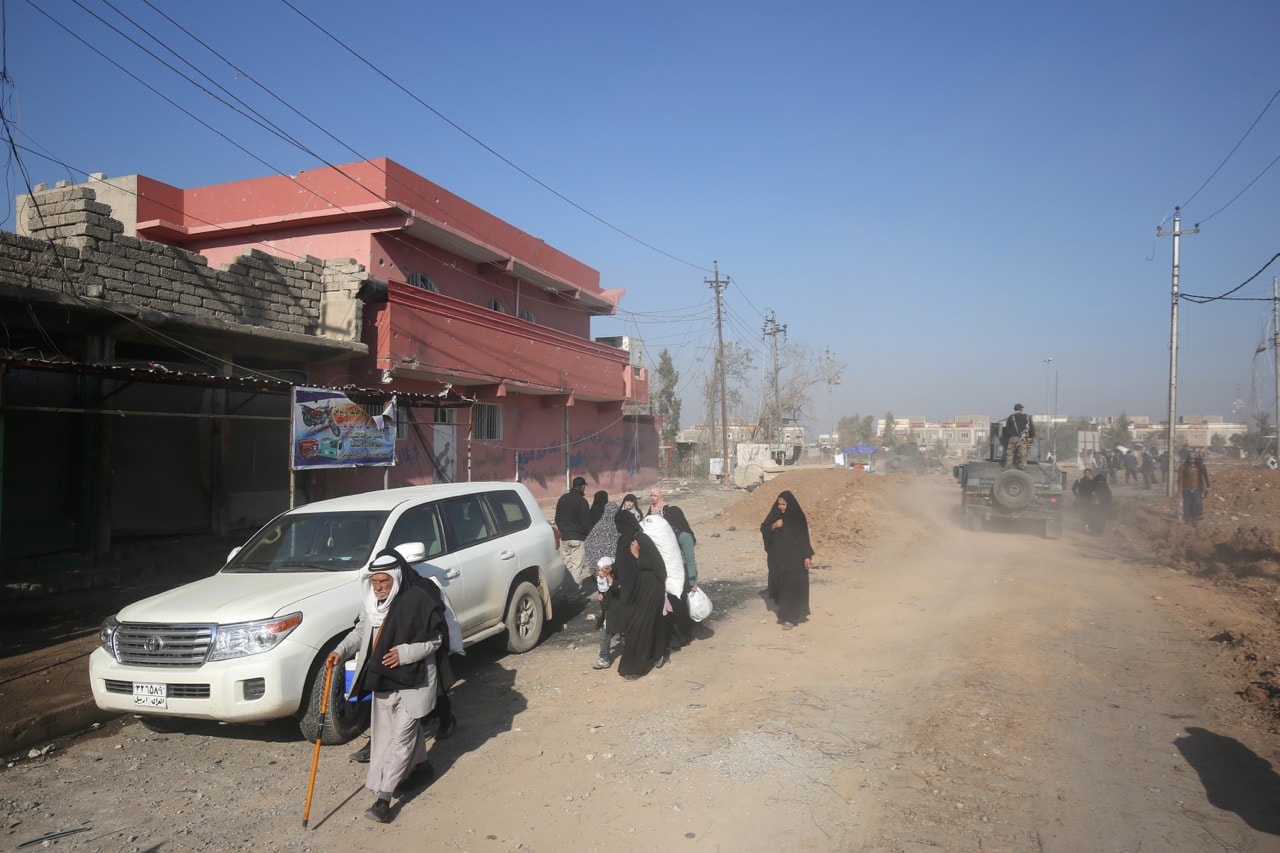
(956, 438)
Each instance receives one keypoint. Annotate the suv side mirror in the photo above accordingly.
(231, 556)
(413, 552)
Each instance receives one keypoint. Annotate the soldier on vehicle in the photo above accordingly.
(1017, 436)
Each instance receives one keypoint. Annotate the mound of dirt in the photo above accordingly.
(1236, 548)
(846, 510)
(1238, 538)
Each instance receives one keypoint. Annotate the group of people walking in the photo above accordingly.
(1093, 497)
(645, 569)
(1140, 467)
(646, 573)
(643, 574)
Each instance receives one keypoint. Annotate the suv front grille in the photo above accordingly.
(145, 644)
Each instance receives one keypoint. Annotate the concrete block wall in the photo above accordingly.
(98, 261)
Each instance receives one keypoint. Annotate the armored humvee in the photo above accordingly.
(989, 491)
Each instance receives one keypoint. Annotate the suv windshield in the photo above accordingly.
(316, 542)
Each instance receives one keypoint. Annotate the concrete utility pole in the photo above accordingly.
(771, 331)
(830, 364)
(1048, 412)
(719, 285)
(1275, 352)
(1176, 234)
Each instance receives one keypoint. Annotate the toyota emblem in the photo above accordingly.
(153, 644)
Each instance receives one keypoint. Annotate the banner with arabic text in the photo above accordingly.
(330, 431)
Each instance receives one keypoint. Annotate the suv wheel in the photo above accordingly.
(524, 618)
(343, 720)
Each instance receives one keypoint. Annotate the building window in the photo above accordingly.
(424, 281)
(445, 416)
(496, 305)
(486, 422)
(526, 314)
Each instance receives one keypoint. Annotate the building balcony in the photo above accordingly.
(423, 335)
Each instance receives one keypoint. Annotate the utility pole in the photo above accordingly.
(1048, 433)
(832, 379)
(718, 285)
(1275, 352)
(1176, 234)
(771, 331)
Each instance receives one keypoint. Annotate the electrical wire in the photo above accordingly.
(484, 145)
(1204, 300)
(271, 127)
(1230, 154)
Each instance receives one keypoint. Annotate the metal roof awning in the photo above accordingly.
(160, 374)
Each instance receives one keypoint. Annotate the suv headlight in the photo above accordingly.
(107, 634)
(251, 638)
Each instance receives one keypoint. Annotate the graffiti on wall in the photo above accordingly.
(601, 457)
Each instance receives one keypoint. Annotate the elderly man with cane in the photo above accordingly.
(394, 642)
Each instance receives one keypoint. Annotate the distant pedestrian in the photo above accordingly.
(1130, 464)
(1083, 491)
(1193, 481)
(1099, 508)
(786, 541)
(1018, 434)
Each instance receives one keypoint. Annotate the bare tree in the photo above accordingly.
(801, 369)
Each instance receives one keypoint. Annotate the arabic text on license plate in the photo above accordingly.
(150, 695)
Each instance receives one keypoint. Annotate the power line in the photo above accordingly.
(1232, 152)
(1204, 300)
(487, 147)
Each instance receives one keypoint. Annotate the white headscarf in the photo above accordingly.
(374, 610)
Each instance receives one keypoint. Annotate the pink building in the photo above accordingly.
(456, 298)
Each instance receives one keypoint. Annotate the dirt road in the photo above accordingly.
(952, 691)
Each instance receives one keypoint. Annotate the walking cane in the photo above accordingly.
(315, 761)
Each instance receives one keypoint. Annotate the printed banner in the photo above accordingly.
(330, 431)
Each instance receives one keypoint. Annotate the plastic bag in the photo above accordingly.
(699, 605)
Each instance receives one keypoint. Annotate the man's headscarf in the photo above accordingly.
(374, 610)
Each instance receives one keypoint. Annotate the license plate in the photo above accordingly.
(150, 695)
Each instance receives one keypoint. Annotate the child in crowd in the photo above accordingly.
(604, 584)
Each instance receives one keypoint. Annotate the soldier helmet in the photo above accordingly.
(1017, 407)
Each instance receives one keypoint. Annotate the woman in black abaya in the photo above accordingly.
(786, 541)
(639, 577)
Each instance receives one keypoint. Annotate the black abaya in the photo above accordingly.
(788, 547)
(640, 582)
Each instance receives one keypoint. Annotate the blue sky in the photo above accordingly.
(944, 195)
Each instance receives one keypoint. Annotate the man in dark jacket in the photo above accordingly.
(573, 518)
(1083, 490)
(1193, 481)
(1017, 435)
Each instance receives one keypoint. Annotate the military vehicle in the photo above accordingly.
(989, 491)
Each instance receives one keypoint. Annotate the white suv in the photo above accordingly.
(248, 644)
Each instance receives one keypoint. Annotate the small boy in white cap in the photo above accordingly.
(604, 584)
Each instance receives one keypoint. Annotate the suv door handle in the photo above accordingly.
(452, 574)
(506, 554)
